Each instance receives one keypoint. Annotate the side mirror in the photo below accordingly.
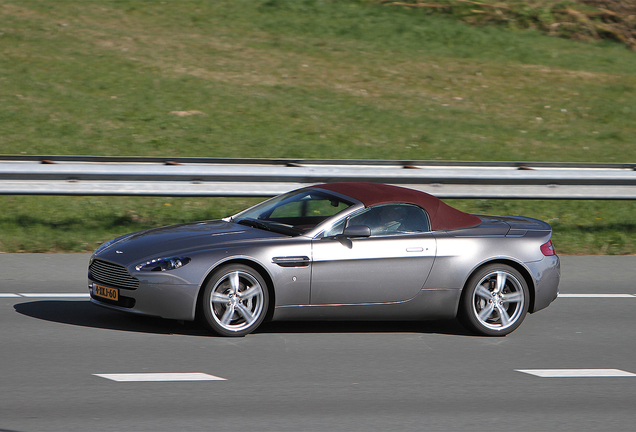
(357, 231)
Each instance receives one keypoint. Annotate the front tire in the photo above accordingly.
(495, 301)
(235, 300)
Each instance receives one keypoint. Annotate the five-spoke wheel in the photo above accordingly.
(235, 300)
(495, 300)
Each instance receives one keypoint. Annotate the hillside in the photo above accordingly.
(310, 79)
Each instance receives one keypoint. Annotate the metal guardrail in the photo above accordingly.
(142, 176)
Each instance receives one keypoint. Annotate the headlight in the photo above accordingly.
(163, 264)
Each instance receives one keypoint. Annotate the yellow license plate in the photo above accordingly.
(105, 292)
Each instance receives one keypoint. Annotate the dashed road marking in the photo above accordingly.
(577, 373)
(160, 377)
(56, 295)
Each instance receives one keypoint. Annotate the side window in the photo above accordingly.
(390, 219)
(337, 229)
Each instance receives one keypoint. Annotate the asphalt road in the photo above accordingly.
(428, 376)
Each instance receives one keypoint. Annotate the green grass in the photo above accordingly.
(299, 79)
(80, 224)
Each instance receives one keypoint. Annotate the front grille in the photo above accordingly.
(114, 275)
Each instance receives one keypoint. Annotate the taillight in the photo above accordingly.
(547, 249)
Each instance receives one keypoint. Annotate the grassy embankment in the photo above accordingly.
(300, 79)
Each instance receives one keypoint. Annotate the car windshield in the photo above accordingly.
(293, 213)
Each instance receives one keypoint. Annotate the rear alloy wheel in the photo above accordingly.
(235, 300)
(495, 301)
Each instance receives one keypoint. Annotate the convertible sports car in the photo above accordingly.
(339, 251)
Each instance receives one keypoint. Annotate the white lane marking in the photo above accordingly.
(577, 373)
(597, 296)
(160, 377)
(54, 295)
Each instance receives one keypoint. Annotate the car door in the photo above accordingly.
(390, 265)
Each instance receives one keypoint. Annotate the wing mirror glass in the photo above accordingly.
(357, 231)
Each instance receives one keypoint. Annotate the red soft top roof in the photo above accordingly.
(442, 215)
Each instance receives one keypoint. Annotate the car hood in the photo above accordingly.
(175, 239)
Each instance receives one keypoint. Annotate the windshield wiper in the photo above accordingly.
(254, 223)
(270, 226)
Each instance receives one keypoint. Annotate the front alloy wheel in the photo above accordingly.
(235, 300)
(495, 301)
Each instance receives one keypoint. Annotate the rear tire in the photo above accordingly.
(235, 300)
(495, 301)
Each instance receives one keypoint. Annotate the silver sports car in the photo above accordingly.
(339, 251)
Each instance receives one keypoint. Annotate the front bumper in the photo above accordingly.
(171, 301)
